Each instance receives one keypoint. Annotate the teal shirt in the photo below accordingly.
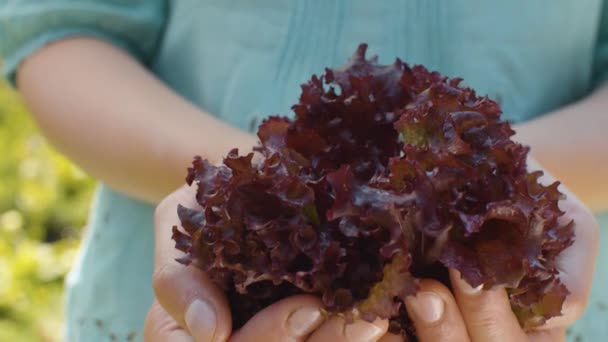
(244, 59)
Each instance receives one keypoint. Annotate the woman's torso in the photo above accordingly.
(242, 60)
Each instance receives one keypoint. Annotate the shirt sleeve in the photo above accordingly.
(600, 65)
(28, 25)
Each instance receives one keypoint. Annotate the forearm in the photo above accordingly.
(110, 115)
(572, 143)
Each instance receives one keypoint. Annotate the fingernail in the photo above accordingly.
(468, 289)
(464, 286)
(201, 320)
(426, 306)
(362, 331)
(303, 321)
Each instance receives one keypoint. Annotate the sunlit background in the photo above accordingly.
(44, 201)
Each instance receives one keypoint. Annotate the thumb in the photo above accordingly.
(193, 301)
(186, 293)
(160, 327)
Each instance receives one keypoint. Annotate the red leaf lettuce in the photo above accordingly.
(387, 174)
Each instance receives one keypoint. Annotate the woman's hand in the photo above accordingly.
(189, 307)
(473, 315)
(469, 314)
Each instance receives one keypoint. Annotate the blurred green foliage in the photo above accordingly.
(44, 201)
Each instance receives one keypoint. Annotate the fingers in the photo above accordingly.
(186, 293)
(487, 314)
(160, 327)
(577, 262)
(435, 315)
(291, 319)
(337, 330)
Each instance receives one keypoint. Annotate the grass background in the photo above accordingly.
(44, 202)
